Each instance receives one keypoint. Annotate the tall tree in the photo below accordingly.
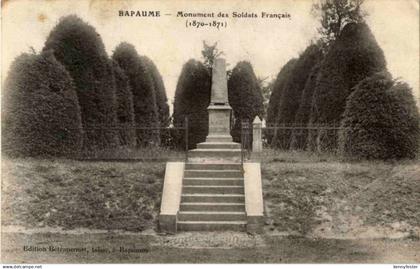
(161, 98)
(209, 53)
(125, 108)
(353, 57)
(245, 97)
(292, 93)
(300, 136)
(192, 97)
(40, 111)
(146, 114)
(381, 120)
(80, 49)
(273, 104)
(334, 15)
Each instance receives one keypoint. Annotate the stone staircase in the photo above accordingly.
(213, 189)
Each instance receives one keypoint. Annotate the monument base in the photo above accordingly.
(219, 123)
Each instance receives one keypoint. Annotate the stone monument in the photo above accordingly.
(213, 190)
(219, 109)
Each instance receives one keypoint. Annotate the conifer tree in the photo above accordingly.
(192, 97)
(80, 49)
(40, 110)
(292, 93)
(146, 114)
(353, 57)
(245, 97)
(273, 104)
(381, 120)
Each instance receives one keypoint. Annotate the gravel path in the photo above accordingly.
(203, 240)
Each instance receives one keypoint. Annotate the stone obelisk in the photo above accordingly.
(219, 109)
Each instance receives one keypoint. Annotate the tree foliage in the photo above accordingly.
(192, 97)
(381, 120)
(273, 104)
(161, 98)
(40, 111)
(355, 56)
(80, 49)
(292, 93)
(141, 82)
(210, 53)
(125, 108)
(245, 96)
(300, 138)
(334, 15)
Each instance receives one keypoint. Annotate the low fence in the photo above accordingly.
(321, 138)
(134, 143)
(156, 143)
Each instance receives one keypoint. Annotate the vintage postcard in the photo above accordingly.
(204, 131)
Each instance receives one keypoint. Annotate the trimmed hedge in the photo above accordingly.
(353, 57)
(303, 139)
(192, 97)
(161, 98)
(146, 114)
(381, 120)
(273, 104)
(125, 108)
(245, 97)
(40, 111)
(80, 49)
(292, 93)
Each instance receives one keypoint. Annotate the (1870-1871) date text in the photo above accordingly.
(202, 24)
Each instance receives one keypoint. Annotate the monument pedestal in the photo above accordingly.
(219, 123)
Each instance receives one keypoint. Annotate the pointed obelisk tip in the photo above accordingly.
(219, 93)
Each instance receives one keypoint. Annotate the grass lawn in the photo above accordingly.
(71, 194)
(317, 196)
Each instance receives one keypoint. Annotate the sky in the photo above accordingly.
(268, 43)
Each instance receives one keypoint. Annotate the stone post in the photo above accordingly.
(256, 138)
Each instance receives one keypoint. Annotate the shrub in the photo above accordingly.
(353, 57)
(381, 120)
(125, 109)
(80, 49)
(245, 97)
(303, 139)
(40, 111)
(146, 114)
(192, 97)
(292, 93)
(161, 99)
(273, 104)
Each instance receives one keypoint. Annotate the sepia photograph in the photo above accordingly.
(210, 132)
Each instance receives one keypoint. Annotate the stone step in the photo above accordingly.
(203, 159)
(211, 226)
(208, 181)
(219, 138)
(212, 207)
(212, 198)
(213, 173)
(213, 166)
(211, 216)
(211, 189)
(214, 153)
(218, 145)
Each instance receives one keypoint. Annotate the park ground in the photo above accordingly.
(318, 210)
